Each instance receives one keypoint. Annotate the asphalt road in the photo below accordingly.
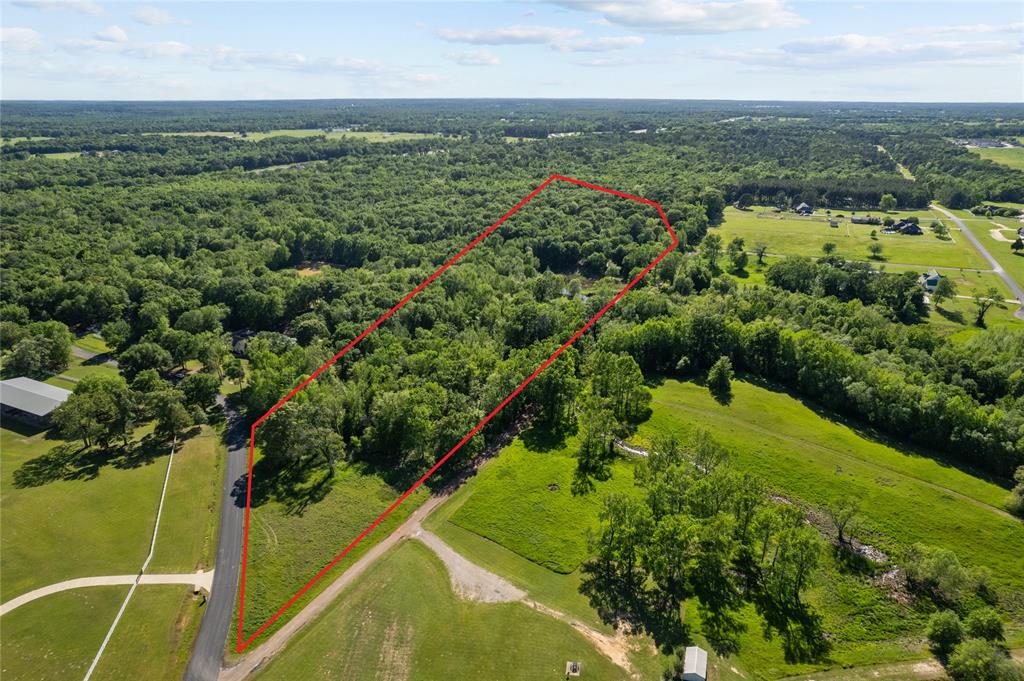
(208, 652)
(1014, 287)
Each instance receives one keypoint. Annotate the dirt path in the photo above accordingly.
(813, 445)
(472, 582)
(273, 645)
(198, 580)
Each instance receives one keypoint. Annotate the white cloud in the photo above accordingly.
(154, 16)
(691, 16)
(853, 50)
(607, 62)
(81, 6)
(602, 44)
(1017, 27)
(112, 34)
(20, 39)
(511, 35)
(474, 58)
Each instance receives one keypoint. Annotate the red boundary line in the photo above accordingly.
(241, 645)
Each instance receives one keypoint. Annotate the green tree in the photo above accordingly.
(985, 623)
(711, 249)
(720, 380)
(887, 203)
(828, 248)
(986, 302)
(1018, 245)
(944, 290)
(944, 632)
(597, 445)
(843, 514)
(875, 249)
(737, 256)
(144, 356)
(760, 250)
(978, 660)
(172, 418)
(200, 389)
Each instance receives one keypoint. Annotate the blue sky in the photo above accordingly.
(679, 49)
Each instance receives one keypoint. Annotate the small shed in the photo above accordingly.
(30, 401)
(695, 664)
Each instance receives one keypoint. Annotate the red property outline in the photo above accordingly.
(241, 645)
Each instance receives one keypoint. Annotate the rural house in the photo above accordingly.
(804, 209)
(30, 401)
(904, 227)
(929, 280)
(865, 220)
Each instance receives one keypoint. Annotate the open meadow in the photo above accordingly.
(402, 620)
(786, 234)
(1012, 157)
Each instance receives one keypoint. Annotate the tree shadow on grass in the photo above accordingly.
(71, 461)
(951, 315)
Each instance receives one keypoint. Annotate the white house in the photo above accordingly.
(929, 280)
(695, 664)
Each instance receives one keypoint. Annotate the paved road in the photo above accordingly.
(196, 579)
(1015, 288)
(208, 652)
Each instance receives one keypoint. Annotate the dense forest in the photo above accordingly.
(179, 255)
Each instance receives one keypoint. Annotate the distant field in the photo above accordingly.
(905, 498)
(368, 135)
(56, 638)
(523, 502)
(1000, 250)
(15, 140)
(795, 236)
(1007, 156)
(288, 546)
(402, 621)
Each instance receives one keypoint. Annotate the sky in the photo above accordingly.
(872, 50)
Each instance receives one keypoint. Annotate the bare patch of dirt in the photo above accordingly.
(470, 581)
(393, 662)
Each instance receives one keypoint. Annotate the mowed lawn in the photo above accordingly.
(1000, 250)
(905, 498)
(102, 525)
(790, 235)
(55, 638)
(401, 620)
(287, 546)
(153, 641)
(1007, 156)
(523, 501)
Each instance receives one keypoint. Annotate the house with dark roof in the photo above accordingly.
(929, 280)
(30, 401)
(865, 220)
(804, 209)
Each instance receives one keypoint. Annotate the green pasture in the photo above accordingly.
(790, 235)
(1012, 157)
(402, 621)
(55, 638)
(1000, 250)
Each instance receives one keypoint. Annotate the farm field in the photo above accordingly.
(796, 236)
(289, 544)
(1012, 157)
(402, 620)
(56, 637)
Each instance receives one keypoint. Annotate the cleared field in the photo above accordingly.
(956, 318)
(796, 236)
(56, 638)
(1007, 156)
(402, 621)
(91, 518)
(154, 638)
(523, 502)
(288, 545)
(905, 498)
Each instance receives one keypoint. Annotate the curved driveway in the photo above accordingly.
(195, 579)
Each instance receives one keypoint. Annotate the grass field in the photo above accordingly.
(1000, 250)
(402, 621)
(288, 546)
(56, 638)
(795, 236)
(905, 497)
(1007, 156)
(101, 523)
(154, 638)
(539, 518)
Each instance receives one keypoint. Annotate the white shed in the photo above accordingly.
(695, 664)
